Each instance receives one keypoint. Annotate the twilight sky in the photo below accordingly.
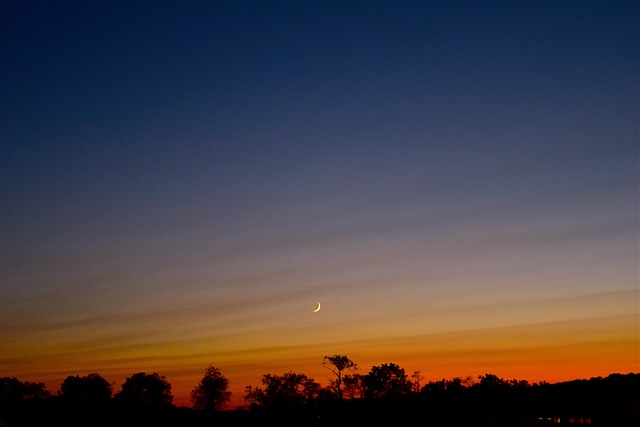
(456, 182)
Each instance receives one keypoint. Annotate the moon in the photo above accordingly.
(317, 309)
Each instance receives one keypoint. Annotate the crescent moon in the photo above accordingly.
(317, 309)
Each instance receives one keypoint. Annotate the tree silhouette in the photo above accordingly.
(211, 393)
(22, 403)
(387, 380)
(354, 387)
(85, 400)
(338, 364)
(415, 383)
(283, 391)
(147, 390)
(491, 382)
(13, 390)
(456, 386)
(294, 399)
(91, 388)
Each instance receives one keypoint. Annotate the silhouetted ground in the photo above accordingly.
(613, 401)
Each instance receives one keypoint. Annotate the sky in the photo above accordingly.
(456, 182)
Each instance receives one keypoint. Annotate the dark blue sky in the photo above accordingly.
(138, 103)
(485, 148)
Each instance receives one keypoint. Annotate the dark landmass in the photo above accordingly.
(610, 401)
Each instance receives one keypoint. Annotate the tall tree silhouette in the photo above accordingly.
(415, 383)
(337, 364)
(211, 393)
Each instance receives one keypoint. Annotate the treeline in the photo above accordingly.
(385, 395)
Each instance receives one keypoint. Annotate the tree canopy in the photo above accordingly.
(384, 395)
(282, 391)
(13, 390)
(211, 393)
(90, 388)
(146, 389)
(386, 380)
(336, 364)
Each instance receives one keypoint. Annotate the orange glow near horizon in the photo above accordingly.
(553, 352)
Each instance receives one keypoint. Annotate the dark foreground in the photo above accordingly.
(613, 401)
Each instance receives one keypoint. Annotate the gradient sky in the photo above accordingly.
(456, 182)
